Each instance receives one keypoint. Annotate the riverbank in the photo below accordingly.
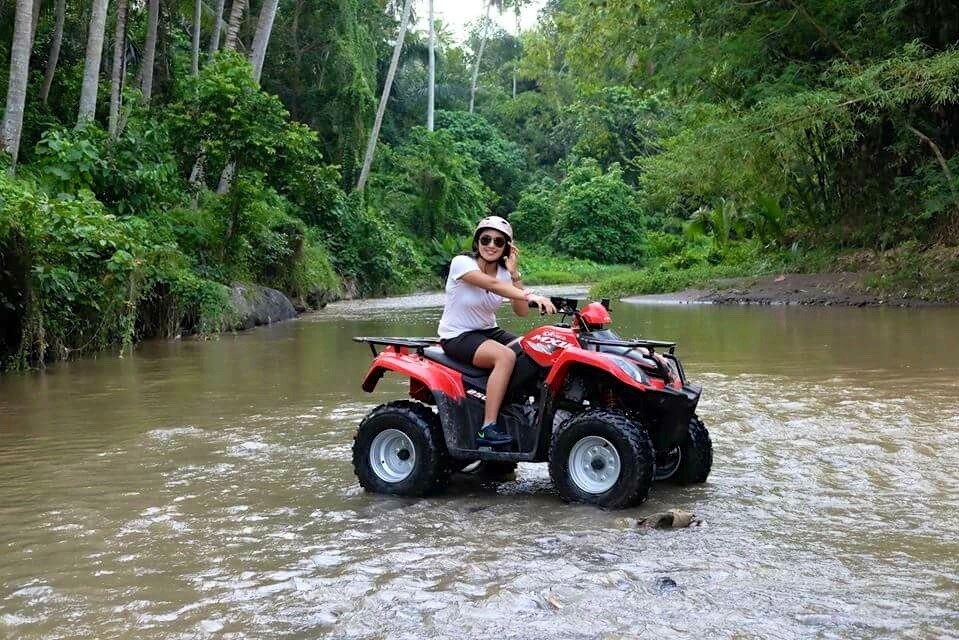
(904, 277)
(826, 289)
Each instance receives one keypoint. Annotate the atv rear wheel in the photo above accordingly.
(696, 455)
(399, 449)
(602, 457)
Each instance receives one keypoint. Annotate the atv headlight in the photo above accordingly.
(632, 370)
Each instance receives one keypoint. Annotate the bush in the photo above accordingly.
(599, 219)
(650, 281)
(531, 121)
(500, 161)
(370, 250)
(84, 278)
(429, 186)
(533, 219)
(541, 266)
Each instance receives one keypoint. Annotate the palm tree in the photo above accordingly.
(479, 54)
(217, 27)
(116, 81)
(516, 6)
(261, 39)
(91, 65)
(384, 97)
(197, 6)
(54, 55)
(17, 82)
(35, 16)
(233, 28)
(149, 50)
(431, 89)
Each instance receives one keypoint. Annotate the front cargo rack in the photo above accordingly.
(417, 344)
(652, 345)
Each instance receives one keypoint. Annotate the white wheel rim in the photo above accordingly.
(392, 455)
(594, 465)
(668, 470)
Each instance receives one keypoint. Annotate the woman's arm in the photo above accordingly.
(497, 286)
(520, 307)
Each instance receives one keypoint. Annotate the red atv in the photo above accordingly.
(609, 415)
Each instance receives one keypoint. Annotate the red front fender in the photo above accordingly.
(428, 374)
(593, 360)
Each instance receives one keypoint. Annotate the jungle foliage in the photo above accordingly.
(679, 139)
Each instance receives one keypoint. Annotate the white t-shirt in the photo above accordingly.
(468, 307)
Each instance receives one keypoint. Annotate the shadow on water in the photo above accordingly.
(204, 489)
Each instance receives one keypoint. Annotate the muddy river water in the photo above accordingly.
(204, 489)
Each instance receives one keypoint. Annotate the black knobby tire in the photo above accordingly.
(431, 467)
(633, 447)
(697, 455)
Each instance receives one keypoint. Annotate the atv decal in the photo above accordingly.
(547, 342)
(476, 394)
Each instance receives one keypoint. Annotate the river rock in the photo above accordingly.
(672, 519)
(665, 584)
(255, 305)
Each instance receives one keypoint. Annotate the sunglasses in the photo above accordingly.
(498, 241)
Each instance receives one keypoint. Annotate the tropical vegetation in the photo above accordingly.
(155, 152)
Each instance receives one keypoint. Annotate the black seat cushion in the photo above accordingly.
(436, 354)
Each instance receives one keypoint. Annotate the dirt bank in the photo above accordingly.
(846, 288)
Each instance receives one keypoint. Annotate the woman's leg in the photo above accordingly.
(499, 358)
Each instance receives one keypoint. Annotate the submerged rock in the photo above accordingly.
(255, 305)
(672, 519)
(665, 584)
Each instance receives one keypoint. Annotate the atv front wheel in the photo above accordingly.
(399, 449)
(695, 455)
(602, 457)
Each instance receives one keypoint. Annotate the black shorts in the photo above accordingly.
(463, 347)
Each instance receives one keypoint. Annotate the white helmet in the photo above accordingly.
(497, 223)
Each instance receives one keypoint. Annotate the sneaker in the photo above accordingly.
(492, 436)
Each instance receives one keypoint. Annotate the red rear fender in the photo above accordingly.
(421, 372)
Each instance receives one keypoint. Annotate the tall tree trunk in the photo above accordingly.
(378, 121)
(516, 10)
(196, 175)
(233, 28)
(91, 65)
(17, 82)
(479, 56)
(431, 90)
(149, 51)
(35, 17)
(217, 28)
(61, 14)
(116, 79)
(296, 80)
(197, 7)
(261, 40)
(264, 27)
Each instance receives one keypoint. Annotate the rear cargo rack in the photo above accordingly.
(417, 344)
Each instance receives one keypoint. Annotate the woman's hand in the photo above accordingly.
(544, 303)
(512, 262)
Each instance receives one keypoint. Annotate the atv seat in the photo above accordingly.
(437, 355)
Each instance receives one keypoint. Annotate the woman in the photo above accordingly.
(478, 283)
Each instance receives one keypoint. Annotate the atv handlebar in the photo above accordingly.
(564, 306)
